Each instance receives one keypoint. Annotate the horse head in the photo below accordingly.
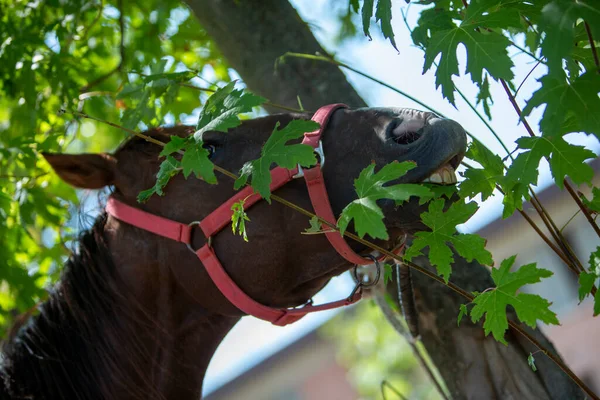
(279, 267)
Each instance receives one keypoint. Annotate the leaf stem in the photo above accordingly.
(583, 208)
(592, 45)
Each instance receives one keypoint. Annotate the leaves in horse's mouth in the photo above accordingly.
(367, 215)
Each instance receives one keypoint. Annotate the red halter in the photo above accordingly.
(221, 217)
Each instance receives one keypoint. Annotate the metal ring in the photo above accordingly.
(189, 245)
(374, 281)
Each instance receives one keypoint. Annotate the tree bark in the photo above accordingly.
(252, 35)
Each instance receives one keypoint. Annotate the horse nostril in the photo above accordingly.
(406, 131)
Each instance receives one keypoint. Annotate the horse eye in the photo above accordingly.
(211, 149)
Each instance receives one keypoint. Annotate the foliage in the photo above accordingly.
(443, 231)
(119, 62)
(277, 151)
(529, 307)
(369, 186)
(77, 55)
(239, 218)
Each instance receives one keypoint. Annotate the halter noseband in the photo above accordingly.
(221, 217)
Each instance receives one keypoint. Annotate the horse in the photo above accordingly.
(136, 315)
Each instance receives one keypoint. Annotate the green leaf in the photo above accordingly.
(383, 14)
(367, 13)
(462, 312)
(485, 97)
(593, 204)
(196, 159)
(168, 168)
(558, 21)
(220, 113)
(594, 261)
(565, 160)
(586, 282)
(315, 226)
(175, 144)
(588, 279)
(369, 186)
(531, 362)
(529, 307)
(387, 273)
(482, 180)
(571, 105)
(276, 150)
(443, 231)
(239, 218)
(485, 51)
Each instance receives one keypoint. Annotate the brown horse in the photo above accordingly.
(135, 315)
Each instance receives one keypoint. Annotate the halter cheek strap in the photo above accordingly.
(221, 217)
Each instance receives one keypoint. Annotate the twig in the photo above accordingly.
(583, 208)
(592, 45)
(386, 252)
(392, 318)
(527, 77)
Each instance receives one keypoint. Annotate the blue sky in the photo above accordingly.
(251, 340)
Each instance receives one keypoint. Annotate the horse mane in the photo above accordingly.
(81, 344)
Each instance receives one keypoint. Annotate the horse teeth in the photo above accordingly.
(436, 178)
(444, 174)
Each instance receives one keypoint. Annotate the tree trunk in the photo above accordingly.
(252, 35)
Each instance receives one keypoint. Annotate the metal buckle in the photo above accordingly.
(189, 245)
(360, 284)
(320, 152)
(377, 276)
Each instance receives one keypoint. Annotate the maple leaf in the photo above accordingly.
(571, 106)
(443, 231)
(529, 307)
(484, 51)
(369, 186)
(565, 160)
(276, 150)
(220, 112)
(482, 180)
(315, 226)
(462, 312)
(593, 204)
(558, 21)
(239, 218)
(383, 14)
(589, 278)
(387, 273)
(168, 168)
(195, 158)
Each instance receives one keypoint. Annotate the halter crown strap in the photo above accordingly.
(221, 217)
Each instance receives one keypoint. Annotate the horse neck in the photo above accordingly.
(96, 338)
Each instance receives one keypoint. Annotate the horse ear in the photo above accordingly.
(86, 171)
